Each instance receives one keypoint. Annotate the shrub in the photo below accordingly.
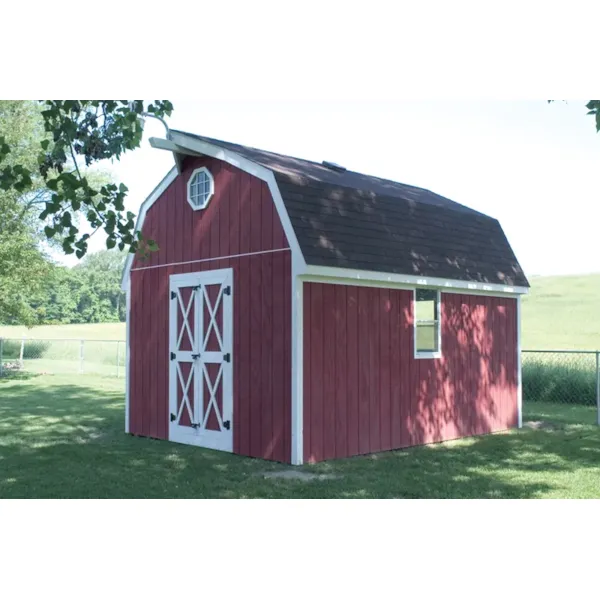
(555, 378)
(11, 349)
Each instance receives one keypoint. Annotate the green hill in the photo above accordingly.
(562, 313)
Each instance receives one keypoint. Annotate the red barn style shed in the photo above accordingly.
(299, 312)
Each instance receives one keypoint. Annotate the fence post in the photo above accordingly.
(22, 351)
(1, 349)
(118, 357)
(81, 356)
(598, 387)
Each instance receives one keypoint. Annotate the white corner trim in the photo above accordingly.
(211, 191)
(297, 411)
(150, 200)
(427, 354)
(127, 353)
(354, 276)
(519, 368)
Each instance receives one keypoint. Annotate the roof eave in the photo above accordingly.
(341, 274)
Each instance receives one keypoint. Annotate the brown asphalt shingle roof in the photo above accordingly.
(352, 220)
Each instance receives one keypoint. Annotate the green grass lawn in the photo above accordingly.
(562, 313)
(63, 437)
(89, 331)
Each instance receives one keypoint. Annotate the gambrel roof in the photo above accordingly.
(350, 220)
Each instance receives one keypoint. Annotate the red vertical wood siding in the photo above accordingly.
(361, 339)
(240, 219)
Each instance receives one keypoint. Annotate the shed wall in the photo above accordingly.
(239, 222)
(365, 392)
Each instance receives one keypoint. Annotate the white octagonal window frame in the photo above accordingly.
(203, 190)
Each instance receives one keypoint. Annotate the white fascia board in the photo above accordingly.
(150, 200)
(358, 277)
(188, 145)
(178, 153)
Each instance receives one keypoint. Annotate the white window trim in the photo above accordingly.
(427, 354)
(189, 186)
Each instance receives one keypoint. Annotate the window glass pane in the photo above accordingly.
(427, 338)
(426, 305)
(199, 189)
(427, 320)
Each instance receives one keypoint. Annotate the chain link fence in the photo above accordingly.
(559, 377)
(63, 356)
(564, 382)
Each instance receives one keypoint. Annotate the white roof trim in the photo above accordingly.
(185, 144)
(181, 144)
(358, 277)
(150, 200)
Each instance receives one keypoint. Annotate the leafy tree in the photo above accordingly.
(87, 293)
(23, 269)
(58, 300)
(91, 131)
(24, 264)
(102, 273)
(593, 107)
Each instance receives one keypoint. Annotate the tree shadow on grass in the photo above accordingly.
(61, 441)
(9, 375)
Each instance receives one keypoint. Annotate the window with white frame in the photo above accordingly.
(201, 187)
(427, 323)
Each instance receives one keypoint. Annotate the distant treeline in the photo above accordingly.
(87, 293)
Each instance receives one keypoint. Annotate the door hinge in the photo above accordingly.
(227, 424)
(173, 417)
(227, 290)
(172, 355)
(196, 287)
(227, 357)
(195, 356)
(173, 295)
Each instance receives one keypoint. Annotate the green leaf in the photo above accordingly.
(44, 144)
(49, 231)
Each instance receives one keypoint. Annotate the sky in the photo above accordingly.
(530, 164)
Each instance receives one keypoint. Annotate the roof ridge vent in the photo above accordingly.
(333, 166)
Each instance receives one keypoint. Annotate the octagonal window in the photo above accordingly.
(201, 187)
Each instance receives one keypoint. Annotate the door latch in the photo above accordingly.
(172, 355)
(227, 357)
(173, 417)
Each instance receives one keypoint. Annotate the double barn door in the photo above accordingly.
(200, 357)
